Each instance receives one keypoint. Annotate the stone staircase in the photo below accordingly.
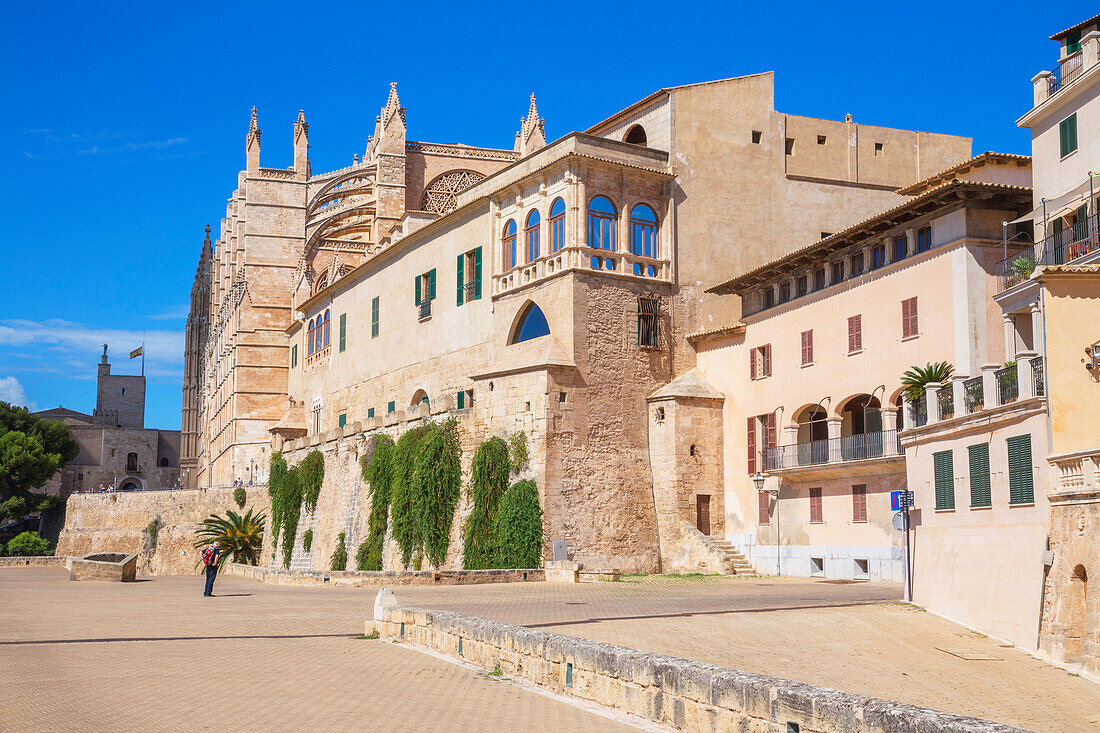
(733, 562)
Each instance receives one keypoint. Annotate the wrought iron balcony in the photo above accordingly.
(425, 309)
(884, 444)
(1008, 384)
(1062, 248)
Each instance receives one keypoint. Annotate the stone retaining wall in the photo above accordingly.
(686, 695)
(36, 561)
(382, 578)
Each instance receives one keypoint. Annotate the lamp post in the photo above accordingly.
(758, 479)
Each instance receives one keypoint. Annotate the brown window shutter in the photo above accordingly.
(913, 316)
(763, 504)
(767, 360)
(752, 363)
(752, 445)
(771, 430)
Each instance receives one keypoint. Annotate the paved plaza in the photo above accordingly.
(155, 655)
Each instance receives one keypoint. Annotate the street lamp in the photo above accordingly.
(758, 479)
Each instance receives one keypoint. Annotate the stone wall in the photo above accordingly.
(1069, 632)
(119, 522)
(680, 693)
(384, 577)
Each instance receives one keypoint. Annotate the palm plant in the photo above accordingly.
(241, 538)
(915, 378)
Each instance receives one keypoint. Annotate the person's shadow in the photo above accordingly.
(232, 595)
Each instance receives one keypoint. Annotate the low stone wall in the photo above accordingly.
(382, 577)
(686, 695)
(117, 567)
(34, 561)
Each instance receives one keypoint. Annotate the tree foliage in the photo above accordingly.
(437, 487)
(307, 540)
(291, 505)
(311, 474)
(915, 378)
(377, 471)
(403, 519)
(489, 474)
(339, 559)
(29, 544)
(240, 496)
(31, 451)
(518, 527)
(517, 442)
(241, 538)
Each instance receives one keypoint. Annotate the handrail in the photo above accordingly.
(1008, 384)
(833, 450)
(1067, 245)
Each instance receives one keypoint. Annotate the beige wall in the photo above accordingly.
(1071, 300)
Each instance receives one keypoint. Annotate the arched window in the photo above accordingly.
(601, 224)
(509, 241)
(420, 397)
(312, 339)
(643, 231)
(131, 462)
(532, 324)
(326, 341)
(531, 235)
(636, 135)
(557, 225)
(163, 463)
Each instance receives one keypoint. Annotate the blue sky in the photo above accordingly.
(125, 123)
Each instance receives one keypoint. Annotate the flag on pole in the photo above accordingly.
(136, 352)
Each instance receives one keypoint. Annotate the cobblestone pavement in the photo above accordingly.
(253, 658)
(260, 657)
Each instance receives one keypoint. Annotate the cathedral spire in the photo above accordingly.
(252, 144)
(532, 131)
(393, 106)
(301, 145)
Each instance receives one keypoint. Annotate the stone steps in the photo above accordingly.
(733, 561)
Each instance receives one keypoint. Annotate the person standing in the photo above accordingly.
(210, 557)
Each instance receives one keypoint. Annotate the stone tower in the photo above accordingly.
(119, 399)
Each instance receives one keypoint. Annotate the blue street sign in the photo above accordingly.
(900, 500)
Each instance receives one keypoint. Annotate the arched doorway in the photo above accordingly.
(861, 428)
(1077, 616)
(130, 485)
(813, 435)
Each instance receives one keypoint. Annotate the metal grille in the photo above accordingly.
(425, 309)
(1037, 374)
(947, 403)
(649, 322)
(832, 450)
(1008, 384)
(974, 394)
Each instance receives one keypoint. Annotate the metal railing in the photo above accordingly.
(1067, 71)
(947, 402)
(918, 411)
(1067, 245)
(1008, 383)
(973, 394)
(425, 309)
(1037, 375)
(833, 450)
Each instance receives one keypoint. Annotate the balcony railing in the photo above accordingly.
(919, 411)
(1008, 384)
(1067, 245)
(425, 309)
(947, 404)
(833, 450)
(1067, 71)
(974, 394)
(1037, 375)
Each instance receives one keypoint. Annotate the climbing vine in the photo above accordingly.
(518, 527)
(311, 474)
(488, 481)
(339, 559)
(307, 540)
(275, 479)
(517, 442)
(403, 513)
(291, 504)
(437, 487)
(377, 470)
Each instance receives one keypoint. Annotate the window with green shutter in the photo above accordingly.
(477, 274)
(342, 420)
(1067, 134)
(1021, 489)
(374, 317)
(343, 331)
(460, 278)
(370, 412)
(462, 400)
(944, 472)
(979, 475)
(294, 355)
(1073, 42)
(469, 276)
(391, 407)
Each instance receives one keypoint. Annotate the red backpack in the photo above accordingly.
(209, 556)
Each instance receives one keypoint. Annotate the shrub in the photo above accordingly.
(239, 496)
(151, 529)
(275, 479)
(437, 487)
(29, 544)
(241, 538)
(488, 481)
(403, 521)
(311, 474)
(517, 442)
(339, 559)
(307, 540)
(291, 503)
(518, 530)
(377, 471)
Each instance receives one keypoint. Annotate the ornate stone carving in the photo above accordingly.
(442, 193)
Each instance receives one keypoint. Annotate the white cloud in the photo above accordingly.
(12, 391)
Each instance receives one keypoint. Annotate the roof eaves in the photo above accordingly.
(977, 160)
(1061, 34)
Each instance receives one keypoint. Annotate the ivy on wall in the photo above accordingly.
(489, 474)
(339, 559)
(437, 487)
(377, 471)
(289, 489)
(403, 519)
(307, 540)
(518, 527)
(311, 473)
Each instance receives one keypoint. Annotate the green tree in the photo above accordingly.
(311, 473)
(377, 469)
(518, 530)
(31, 451)
(489, 474)
(241, 538)
(915, 378)
(437, 482)
(29, 544)
(403, 514)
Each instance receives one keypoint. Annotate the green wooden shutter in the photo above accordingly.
(374, 317)
(1021, 489)
(418, 289)
(477, 273)
(461, 279)
(944, 472)
(370, 412)
(391, 407)
(431, 284)
(461, 400)
(979, 475)
(343, 331)
(1067, 135)
(294, 355)
(343, 419)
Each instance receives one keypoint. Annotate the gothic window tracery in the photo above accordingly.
(441, 194)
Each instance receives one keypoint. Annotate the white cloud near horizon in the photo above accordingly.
(12, 392)
(72, 349)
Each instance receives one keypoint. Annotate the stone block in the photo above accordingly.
(108, 566)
